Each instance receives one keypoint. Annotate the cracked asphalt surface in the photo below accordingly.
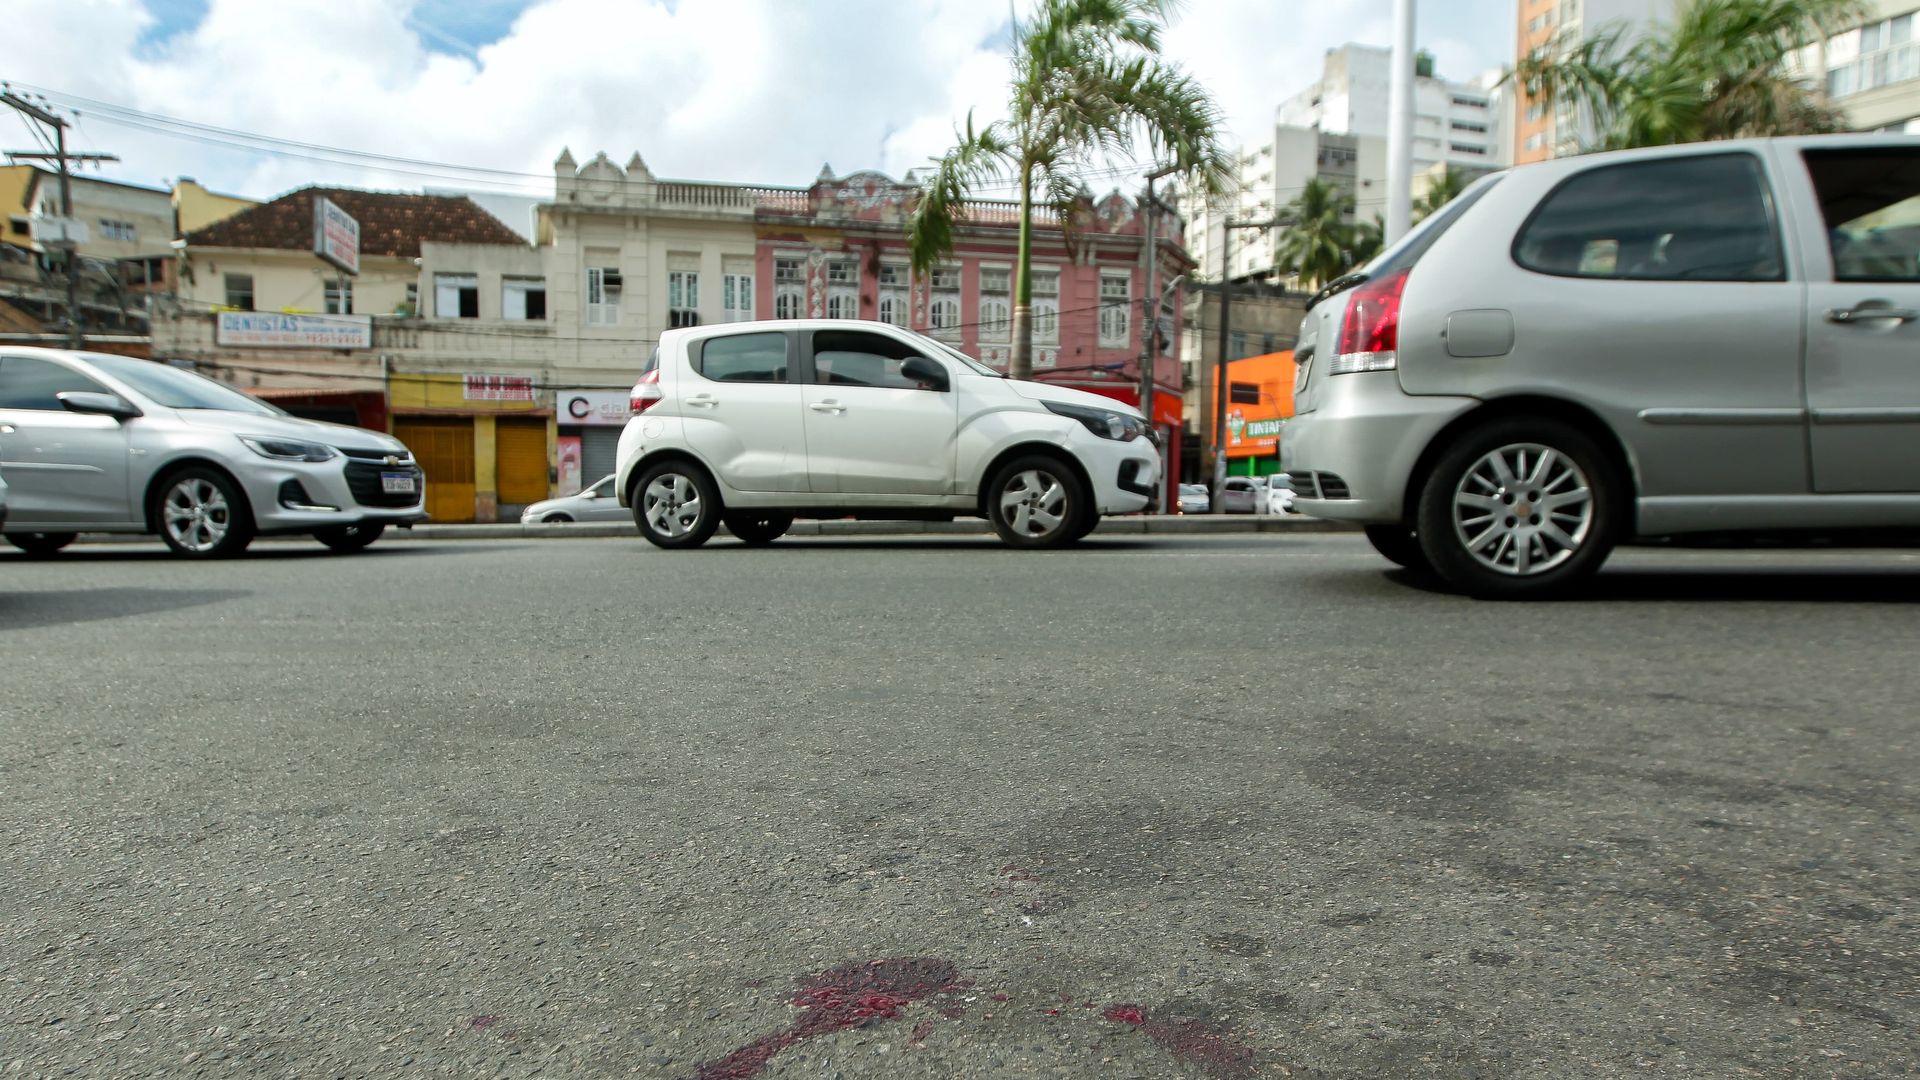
(1218, 807)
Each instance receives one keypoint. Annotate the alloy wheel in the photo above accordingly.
(1523, 509)
(196, 515)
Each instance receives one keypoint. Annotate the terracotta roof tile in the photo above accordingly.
(391, 223)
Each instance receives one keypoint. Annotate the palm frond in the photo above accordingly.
(979, 155)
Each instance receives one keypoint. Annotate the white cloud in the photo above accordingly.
(748, 90)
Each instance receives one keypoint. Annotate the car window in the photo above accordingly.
(176, 389)
(1871, 202)
(1694, 218)
(29, 382)
(743, 358)
(602, 489)
(857, 358)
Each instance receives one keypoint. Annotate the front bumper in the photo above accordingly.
(298, 497)
(1361, 444)
(1124, 474)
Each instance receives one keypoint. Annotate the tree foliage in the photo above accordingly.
(1718, 71)
(1088, 86)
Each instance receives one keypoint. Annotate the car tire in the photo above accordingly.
(347, 539)
(556, 519)
(202, 514)
(1037, 502)
(752, 528)
(1520, 509)
(1398, 545)
(675, 505)
(40, 543)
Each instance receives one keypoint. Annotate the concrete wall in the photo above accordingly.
(292, 280)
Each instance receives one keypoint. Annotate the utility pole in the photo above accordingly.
(76, 335)
(1218, 505)
(1400, 126)
(1150, 303)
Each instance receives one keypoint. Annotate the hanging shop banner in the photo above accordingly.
(499, 388)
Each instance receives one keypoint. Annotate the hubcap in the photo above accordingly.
(1033, 503)
(1523, 509)
(196, 515)
(671, 505)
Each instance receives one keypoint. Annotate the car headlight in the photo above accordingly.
(1105, 423)
(288, 449)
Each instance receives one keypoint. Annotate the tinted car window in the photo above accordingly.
(853, 358)
(1871, 202)
(28, 382)
(1695, 218)
(177, 389)
(744, 358)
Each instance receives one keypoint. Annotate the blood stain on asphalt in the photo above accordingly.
(849, 996)
(1190, 1040)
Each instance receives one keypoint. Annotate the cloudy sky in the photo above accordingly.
(746, 90)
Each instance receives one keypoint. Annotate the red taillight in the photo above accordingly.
(1370, 333)
(646, 393)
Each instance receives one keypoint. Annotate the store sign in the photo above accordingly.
(499, 388)
(1264, 429)
(270, 330)
(336, 235)
(594, 408)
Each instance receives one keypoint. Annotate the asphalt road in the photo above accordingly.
(1225, 807)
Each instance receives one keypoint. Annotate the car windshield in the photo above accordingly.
(602, 489)
(176, 389)
(972, 365)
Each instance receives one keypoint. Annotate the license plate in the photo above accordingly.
(396, 483)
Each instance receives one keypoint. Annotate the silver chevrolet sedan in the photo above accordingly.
(1698, 340)
(98, 443)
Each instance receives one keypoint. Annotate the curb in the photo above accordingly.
(1114, 526)
(1133, 525)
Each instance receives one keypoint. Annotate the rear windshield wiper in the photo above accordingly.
(1336, 287)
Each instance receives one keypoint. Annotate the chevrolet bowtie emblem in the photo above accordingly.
(392, 460)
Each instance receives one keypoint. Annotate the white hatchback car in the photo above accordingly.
(755, 424)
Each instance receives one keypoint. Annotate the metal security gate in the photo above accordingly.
(444, 449)
(599, 453)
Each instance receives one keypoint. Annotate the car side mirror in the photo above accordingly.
(927, 373)
(82, 401)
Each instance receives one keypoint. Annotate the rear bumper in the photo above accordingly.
(1362, 444)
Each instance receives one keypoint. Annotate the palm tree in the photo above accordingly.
(1718, 72)
(1444, 189)
(1364, 240)
(1317, 243)
(1087, 80)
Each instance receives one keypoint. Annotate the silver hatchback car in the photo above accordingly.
(1709, 339)
(96, 443)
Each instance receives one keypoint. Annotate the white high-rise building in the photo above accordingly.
(1335, 130)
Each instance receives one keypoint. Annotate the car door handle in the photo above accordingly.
(703, 401)
(826, 406)
(1868, 314)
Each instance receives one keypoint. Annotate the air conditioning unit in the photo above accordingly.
(610, 281)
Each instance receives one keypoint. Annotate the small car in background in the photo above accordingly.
(1279, 494)
(1194, 499)
(1244, 495)
(597, 503)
